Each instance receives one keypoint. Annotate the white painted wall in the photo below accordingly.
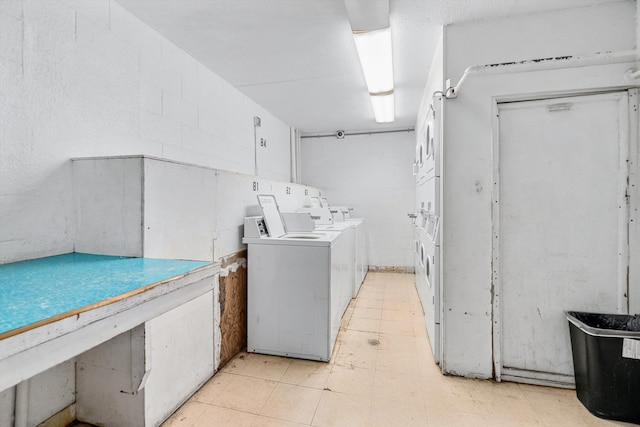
(178, 335)
(117, 364)
(87, 78)
(7, 405)
(468, 125)
(172, 355)
(179, 210)
(372, 174)
(47, 387)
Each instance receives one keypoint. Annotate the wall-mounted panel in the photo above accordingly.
(179, 210)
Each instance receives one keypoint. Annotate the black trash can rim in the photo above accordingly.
(600, 332)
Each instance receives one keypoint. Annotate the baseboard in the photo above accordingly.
(391, 269)
(62, 418)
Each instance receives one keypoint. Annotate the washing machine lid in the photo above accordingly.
(316, 202)
(296, 239)
(337, 226)
(271, 214)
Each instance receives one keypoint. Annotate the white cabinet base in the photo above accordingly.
(142, 376)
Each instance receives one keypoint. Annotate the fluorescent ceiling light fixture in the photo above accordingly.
(374, 50)
(369, 20)
(367, 15)
(383, 107)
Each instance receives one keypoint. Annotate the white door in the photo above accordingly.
(560, 227)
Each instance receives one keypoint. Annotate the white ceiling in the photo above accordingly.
(297, 58)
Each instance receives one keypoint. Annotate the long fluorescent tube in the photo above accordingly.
(369, 20)
(383, 107)
(374, 50)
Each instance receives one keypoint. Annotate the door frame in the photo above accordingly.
(625, 216)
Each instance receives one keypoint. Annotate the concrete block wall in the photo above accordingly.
(87, 78)
(372, 174)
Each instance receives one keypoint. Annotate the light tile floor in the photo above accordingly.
(382, 373)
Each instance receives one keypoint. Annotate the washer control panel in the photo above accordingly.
(254, 226)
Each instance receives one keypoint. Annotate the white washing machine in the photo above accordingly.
(361, 252)
(339, 220)
(299, 285)
(356, 229)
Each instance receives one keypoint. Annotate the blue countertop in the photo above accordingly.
(38, 289)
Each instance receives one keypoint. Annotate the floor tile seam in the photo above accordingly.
(399, 323)
(368, 396)
(554, 392)
(393, 309)
(364, 330)
(347, 364)
(367, 331)
(287, 363)
(512, 420)
(251, 412)
(422, 404)
(546, 406)
(252, 376)
(419, 400)
(382, 372)
(369, 404)
(400, 359)
(366, 299)
(482, 405)
(397, 293)
(264, 405)
(393, 316)
(400, 296)
(450, 409)
(315, 411)
(351, 367)
(305, 386)
(365, 318)
(500, 398)
(398, 334)
(260, 414)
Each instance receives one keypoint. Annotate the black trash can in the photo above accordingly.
(606, 361)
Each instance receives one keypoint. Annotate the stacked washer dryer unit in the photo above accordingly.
(299, 286)
(426, 220)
